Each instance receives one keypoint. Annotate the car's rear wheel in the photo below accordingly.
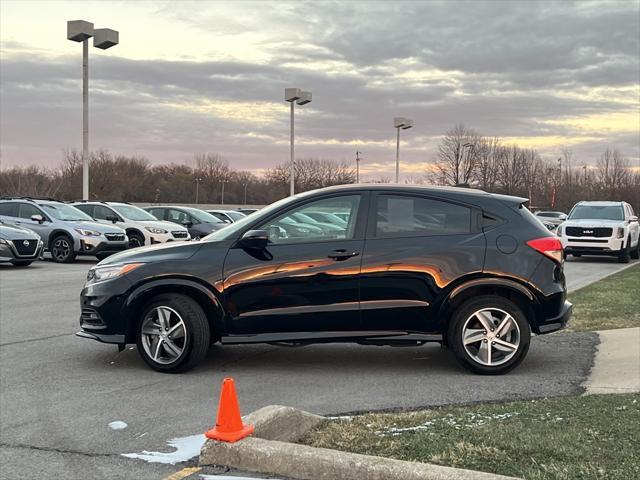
(62, 249)
(173, 335)
(623, 256)
(489, 335)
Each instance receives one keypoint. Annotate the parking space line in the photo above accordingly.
(185, 472)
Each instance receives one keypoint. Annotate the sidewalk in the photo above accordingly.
(616, 366)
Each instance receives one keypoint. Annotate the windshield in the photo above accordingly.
(235, 215)
(597, 212)
(131, 212)
(203, 216)
(65, 212)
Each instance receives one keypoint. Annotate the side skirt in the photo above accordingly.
(363, 337)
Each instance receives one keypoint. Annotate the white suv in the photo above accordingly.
(142, 228)
(601, 228)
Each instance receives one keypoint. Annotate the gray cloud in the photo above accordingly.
(509, 65)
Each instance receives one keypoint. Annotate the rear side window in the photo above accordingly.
(9, 209)
(157, 212)
(403, 215)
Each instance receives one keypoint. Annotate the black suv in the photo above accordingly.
(475, 271)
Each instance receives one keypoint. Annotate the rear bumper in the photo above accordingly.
(553, 324)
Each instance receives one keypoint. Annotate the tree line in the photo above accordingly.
(464, 157)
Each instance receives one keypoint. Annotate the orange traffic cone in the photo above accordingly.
(229, 426)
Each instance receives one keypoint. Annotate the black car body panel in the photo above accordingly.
(375, 284)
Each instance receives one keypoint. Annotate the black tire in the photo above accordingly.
(22, 263)
(623, 256)
(102, 256)
(62, 249)
(635, 253)
(465, 313)
(197, 333)
(135, 240)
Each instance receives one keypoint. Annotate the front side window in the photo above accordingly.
(400, 215)
(157, 212)
(27, 210)
(177, 216)
(101, 213)
(291, 226)
(88, 209)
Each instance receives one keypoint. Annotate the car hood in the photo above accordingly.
(13, 232)
(95, 226)
(168, 226)
(593, 223)
(154, 253)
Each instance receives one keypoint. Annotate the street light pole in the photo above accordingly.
(197, 188)
(245, 193)
(358, 167)
(404, 124)
(301, 98)
(103, 38)
(222, 196)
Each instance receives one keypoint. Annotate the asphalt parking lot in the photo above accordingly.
(58, 393)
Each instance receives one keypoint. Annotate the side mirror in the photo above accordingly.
(255, 240)
(112, 218)
(37, 218)
(633, 218)
(187, 224)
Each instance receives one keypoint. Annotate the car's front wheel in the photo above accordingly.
(62, 249)
(489, 335)
(635, 252)
(623, 256)
(173, 334)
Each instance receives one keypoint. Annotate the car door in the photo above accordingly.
(25, 212)
(634, 227)
(307, 282)
(415, 247)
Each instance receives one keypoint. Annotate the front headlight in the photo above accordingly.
(3, 242)
(620, 232)
(99, 274)
(559, 231)
(88, 233)
(157, 231)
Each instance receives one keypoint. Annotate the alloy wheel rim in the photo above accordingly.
(61, 249)
(491, 337)
(163, 335)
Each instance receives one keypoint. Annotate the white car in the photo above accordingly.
(601, 228)
(227, 216)
(142, 228)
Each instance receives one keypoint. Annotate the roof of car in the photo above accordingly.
(406, 187)
(600, 203)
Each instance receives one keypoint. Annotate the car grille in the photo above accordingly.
(179, 234)
(115, 237)
(601, 232)
(26, 248)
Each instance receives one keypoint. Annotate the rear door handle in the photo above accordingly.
(342, 254)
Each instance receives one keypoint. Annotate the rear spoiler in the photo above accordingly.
(511, 201)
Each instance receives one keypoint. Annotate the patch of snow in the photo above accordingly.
(186, 448)
(118, 425)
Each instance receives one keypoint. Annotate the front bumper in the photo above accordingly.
(593, 246)
(9, 253)
(96, 246)
(100, 337)
(556, 323)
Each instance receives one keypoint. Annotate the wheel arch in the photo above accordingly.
(510, 289)
(56, 233)
(203, 295)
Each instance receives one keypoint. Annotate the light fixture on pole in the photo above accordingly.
(300, 97)
(103, 38)
(358, 166)
(404, 124)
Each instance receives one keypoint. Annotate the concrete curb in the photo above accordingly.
(309, 463)
(270, 452)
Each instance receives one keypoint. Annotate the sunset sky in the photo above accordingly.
(204, 76)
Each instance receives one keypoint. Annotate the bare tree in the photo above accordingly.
(457, 155)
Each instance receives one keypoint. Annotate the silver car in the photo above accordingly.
(66, 231)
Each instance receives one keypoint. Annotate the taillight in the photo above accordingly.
(549, 246)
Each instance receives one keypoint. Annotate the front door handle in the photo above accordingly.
(342, 254)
